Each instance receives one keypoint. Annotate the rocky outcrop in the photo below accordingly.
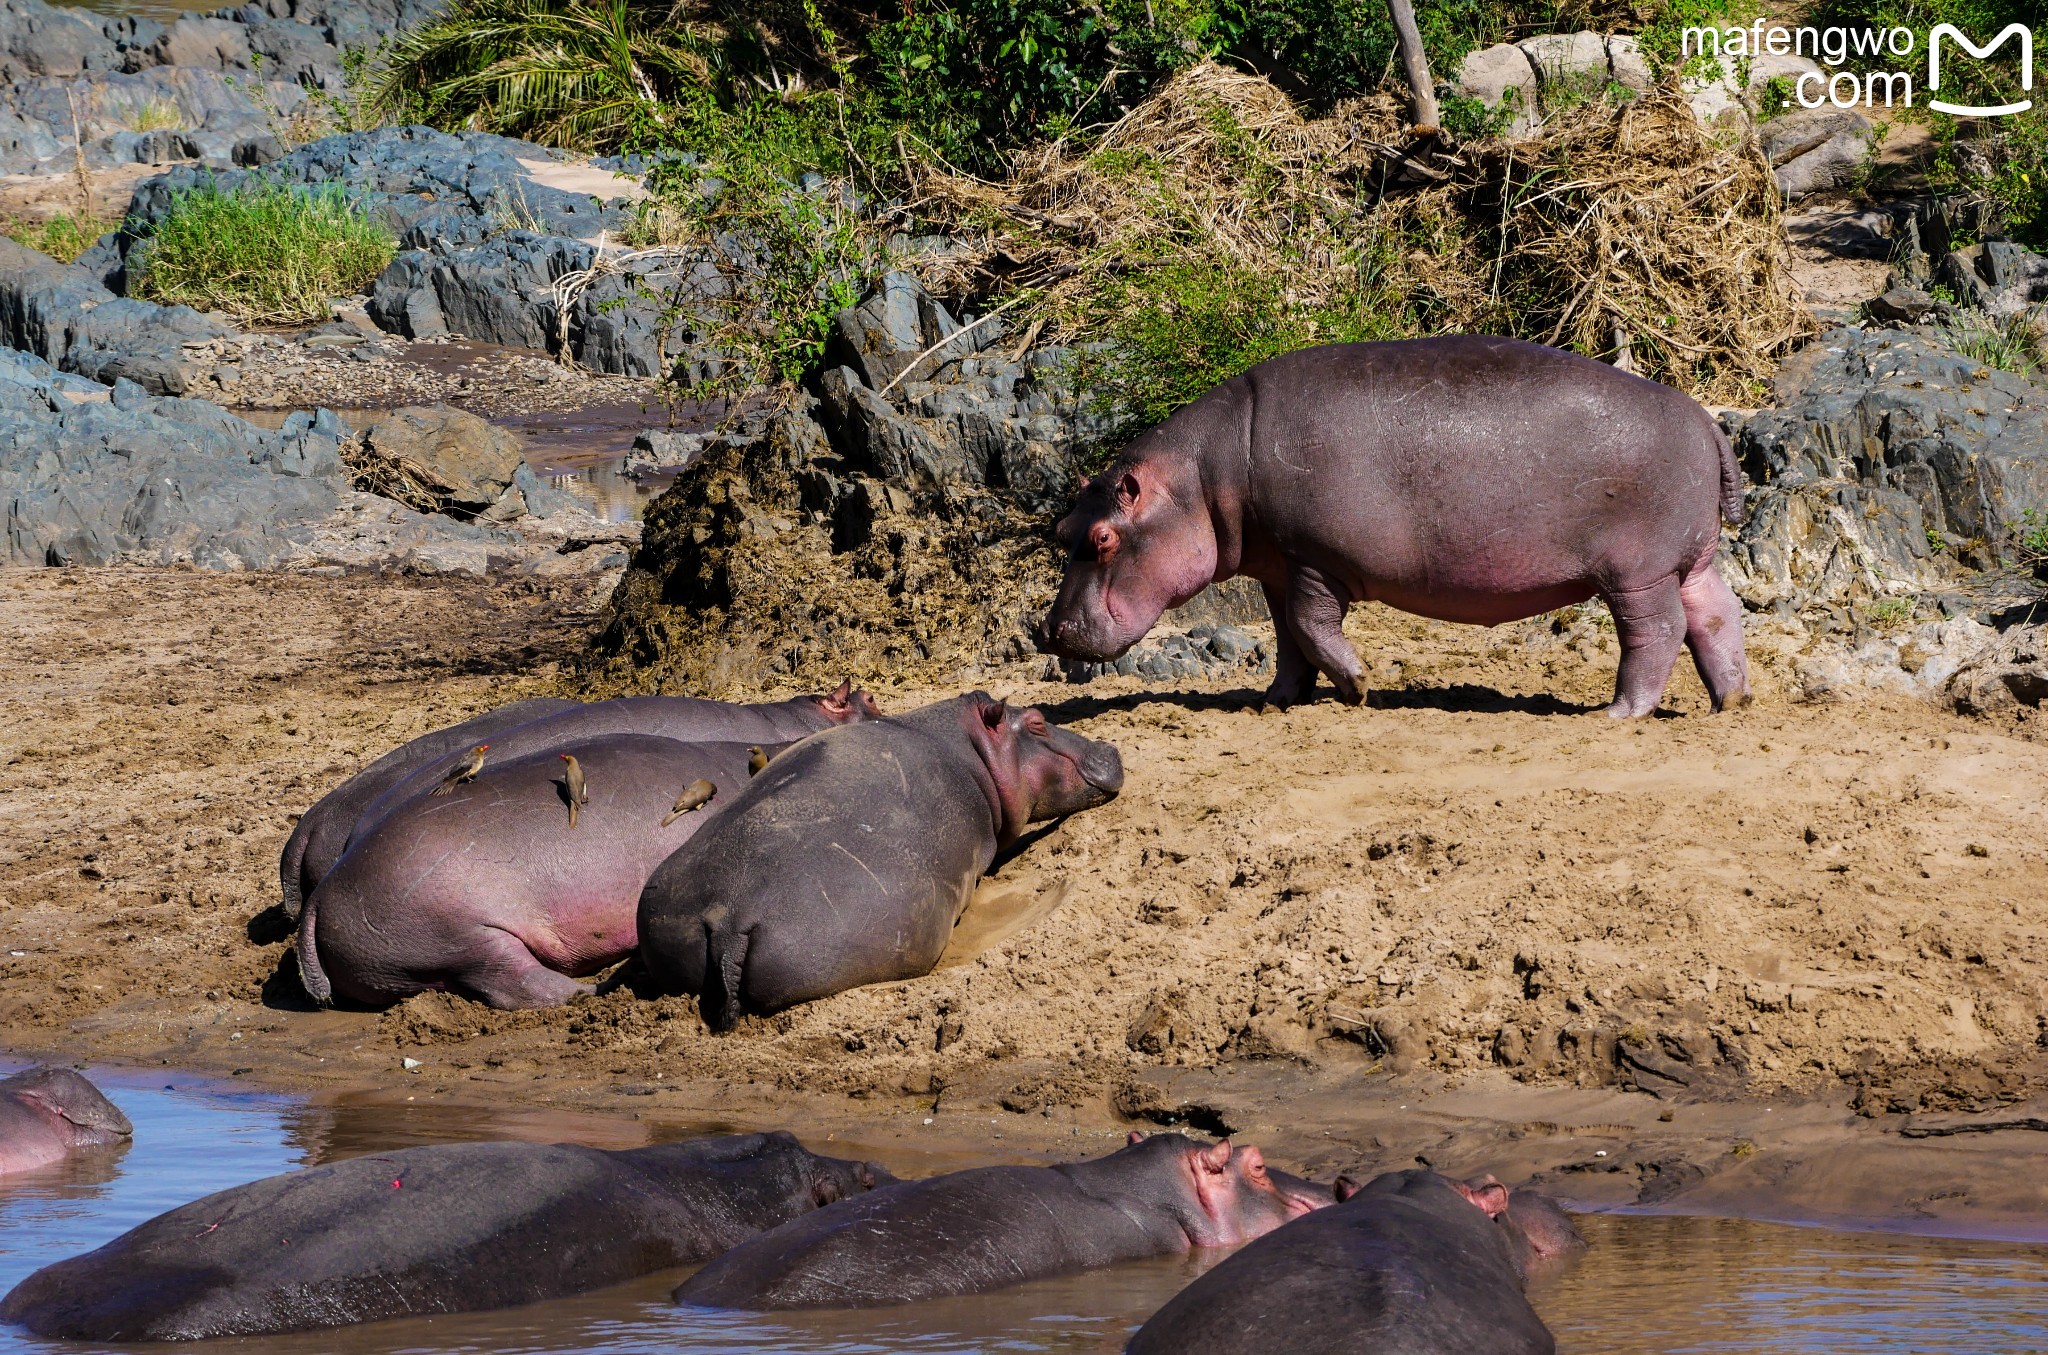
(1812, 150)
(1871, 425)
(218, 89)
(899, 531)
(62, 314)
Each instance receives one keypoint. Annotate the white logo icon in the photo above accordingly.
(2020, 31)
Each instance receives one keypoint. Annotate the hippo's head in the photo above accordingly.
(71, 1103)
(1222, 1193)
(1140, 539)
(781, 1175)
(1538, 1230)
(843, 705)
(1040, 771)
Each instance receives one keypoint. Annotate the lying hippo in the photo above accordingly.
(319, 839)
(490, 891)
(1412, 1263)
(972, 1231)
(444, 1229)
(1468, 479)
(47, 1113)
(850, 857)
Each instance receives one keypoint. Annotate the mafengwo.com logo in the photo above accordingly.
(1835, 47)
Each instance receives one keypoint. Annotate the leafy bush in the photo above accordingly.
(262, 251)
(63, 237)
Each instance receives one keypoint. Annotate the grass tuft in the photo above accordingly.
(63, 237)
(262, 252)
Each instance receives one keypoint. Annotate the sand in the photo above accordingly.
(1785, 962)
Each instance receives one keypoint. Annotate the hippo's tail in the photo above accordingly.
(289, 864)
(1732, 486)
(725, 959)
(311, 975)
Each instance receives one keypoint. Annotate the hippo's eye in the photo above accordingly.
(1102, 537)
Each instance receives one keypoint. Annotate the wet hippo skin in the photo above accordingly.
(441, 1229)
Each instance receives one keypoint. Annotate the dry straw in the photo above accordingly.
(1623, 230)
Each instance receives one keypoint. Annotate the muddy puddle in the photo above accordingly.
(1652, 1285)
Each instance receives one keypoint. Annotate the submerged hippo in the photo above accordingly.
(444, 1229)
(496, 889)
(1412, 1263)
(1468, 479)
(320, 837)
(972, 1231)
(48, 1113)
(850, 857)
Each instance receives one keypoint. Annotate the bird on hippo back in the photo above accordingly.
(849, 858)
(1471, 479)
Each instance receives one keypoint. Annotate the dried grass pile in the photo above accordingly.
(394, 477)
(1621, 230)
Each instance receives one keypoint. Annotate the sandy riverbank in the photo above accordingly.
(1464, 923)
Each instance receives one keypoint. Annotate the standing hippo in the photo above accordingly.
(1413, 1263)
(47, 1113)
(321, 836)
(972, 1231)
(495, 890)
(850, 857)
(1468, 479)
(449, 1228)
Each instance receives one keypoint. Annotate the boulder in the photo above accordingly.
(1996, 277)
(1835, 163)
(38, 39)
(1568, 59)
(210, 44)
(1903, 306)
(2009, 670)
(1495, 75)
(470, 465)
(1204, 651)
(62, 314)
(497, 292)
(1627, 64)
(1790, 135)
(1899, 411)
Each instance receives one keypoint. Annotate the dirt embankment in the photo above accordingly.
(1467, 922)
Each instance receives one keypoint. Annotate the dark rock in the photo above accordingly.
(497, 292)
(1804, 130)
(1206, 651)
(37, 39)
(1996, 277)
(1898, 411)
(92, 476)
(1903, 305)
(62, 314)
(210, 44)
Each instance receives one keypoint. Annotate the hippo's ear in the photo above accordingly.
(1129, 489)
(1135, 1138)
(1344, 1189)
(840, 697)
(1216, 1156)
(1486, 1194)
(994, 713)
(826, 1191)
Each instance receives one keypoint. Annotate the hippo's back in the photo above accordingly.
(1433, 467)
(447, 1228)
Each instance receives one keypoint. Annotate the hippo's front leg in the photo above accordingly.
(506, 974)
(1294, 677)
(1315, 610)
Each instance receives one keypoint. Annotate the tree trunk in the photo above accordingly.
(1408, 39)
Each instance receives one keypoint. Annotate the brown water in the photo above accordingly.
(1650, 1286)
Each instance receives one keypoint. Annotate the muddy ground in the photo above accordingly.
(1787, 962)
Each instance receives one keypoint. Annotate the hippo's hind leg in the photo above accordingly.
(505, 974)
(1713, 632)
(1650, 624)
(1294, 677)
(1315, 615)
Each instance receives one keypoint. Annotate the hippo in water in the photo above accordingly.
(972, 1231)
(505, 887)
(323, 834)
(850, 857)
(47, 1113)
(1468, 479)
(1412, 1263)
(448, 1228)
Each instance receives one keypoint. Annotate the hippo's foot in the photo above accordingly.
(506, 975)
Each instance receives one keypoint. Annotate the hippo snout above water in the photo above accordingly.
(47, 1113)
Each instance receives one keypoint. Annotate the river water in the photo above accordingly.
(1651, 1285)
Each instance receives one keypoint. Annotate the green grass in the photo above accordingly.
(63, 237)
(262, 252)
(2015, 344)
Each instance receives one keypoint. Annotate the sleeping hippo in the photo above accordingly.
(449, 1228)
(48, 1113)
(972, 1231)
(1412, 1263)
(508, 885)
(320, 837)
(850, 857)
(1468, 479)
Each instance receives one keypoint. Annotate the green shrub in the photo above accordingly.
(262, 252)
(63, 237)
